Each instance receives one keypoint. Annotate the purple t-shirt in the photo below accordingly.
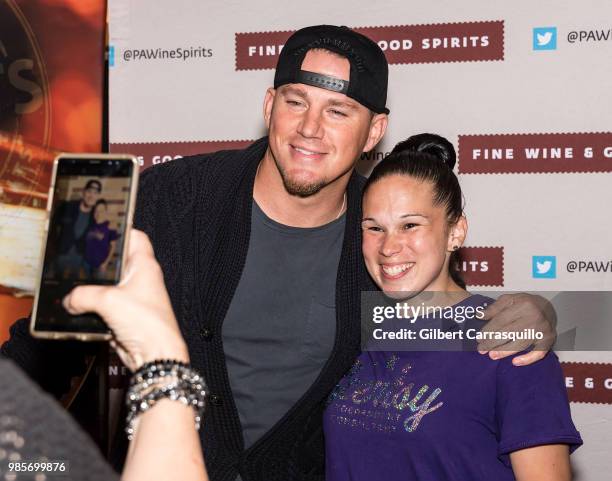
(425, 416)
(97, 243)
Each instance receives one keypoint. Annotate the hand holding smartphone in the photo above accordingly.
(90, 208)
(138, 309)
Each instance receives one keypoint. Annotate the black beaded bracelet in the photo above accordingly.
(161, 379)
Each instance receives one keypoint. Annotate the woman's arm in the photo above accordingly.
(111, 251)
(549, 462)
(165, 445)
(536, 432)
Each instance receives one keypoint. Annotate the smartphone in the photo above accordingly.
(89, 210)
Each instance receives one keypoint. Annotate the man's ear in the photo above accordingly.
(457, 234)
(378, 127)
(267, 106)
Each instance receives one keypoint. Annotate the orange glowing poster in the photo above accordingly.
(51, 96)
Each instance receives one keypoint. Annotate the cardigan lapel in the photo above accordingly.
(216, 279)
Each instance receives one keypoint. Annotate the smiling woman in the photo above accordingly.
(403, 411)
(413, 211)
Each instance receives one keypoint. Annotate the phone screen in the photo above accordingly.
(85, 239)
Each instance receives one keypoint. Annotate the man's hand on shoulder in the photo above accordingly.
(516, 313)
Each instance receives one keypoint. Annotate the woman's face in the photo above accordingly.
(407, 240)
(100, 213)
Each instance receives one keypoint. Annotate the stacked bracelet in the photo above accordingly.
(164, 379)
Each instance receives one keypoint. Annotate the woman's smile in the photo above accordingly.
(396, 271)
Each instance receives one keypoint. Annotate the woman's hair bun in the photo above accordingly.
(432, 144)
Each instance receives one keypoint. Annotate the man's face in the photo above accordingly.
(90, 196)
(316, 135)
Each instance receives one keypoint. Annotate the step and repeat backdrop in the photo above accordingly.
(522, 89)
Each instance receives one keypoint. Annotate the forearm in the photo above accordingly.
(542, 463)
(166, 444)
(110, 252)
(165, 432)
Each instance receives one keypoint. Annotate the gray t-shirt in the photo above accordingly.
(280, 327)
(81, 223)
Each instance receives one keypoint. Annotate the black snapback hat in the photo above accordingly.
(369, 69)
(91, 184)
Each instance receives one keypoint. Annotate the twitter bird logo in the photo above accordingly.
(545, 38)
(544, 267)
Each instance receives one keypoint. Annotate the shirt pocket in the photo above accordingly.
(320, 331)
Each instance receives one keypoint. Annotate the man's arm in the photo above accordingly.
(51, 364)
(516, 312)
(144, 213)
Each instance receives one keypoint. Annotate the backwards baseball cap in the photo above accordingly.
(369, 69)
(94, 184)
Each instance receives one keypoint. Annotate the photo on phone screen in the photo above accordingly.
(89, 215)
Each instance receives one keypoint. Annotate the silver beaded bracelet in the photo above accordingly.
(167, 379)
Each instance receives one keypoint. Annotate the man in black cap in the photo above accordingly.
(261, 253)
(72, 220)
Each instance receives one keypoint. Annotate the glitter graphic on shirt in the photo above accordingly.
(382, 405)
(390, 365)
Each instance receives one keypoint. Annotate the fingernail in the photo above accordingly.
(517, 362)
(494, 355)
